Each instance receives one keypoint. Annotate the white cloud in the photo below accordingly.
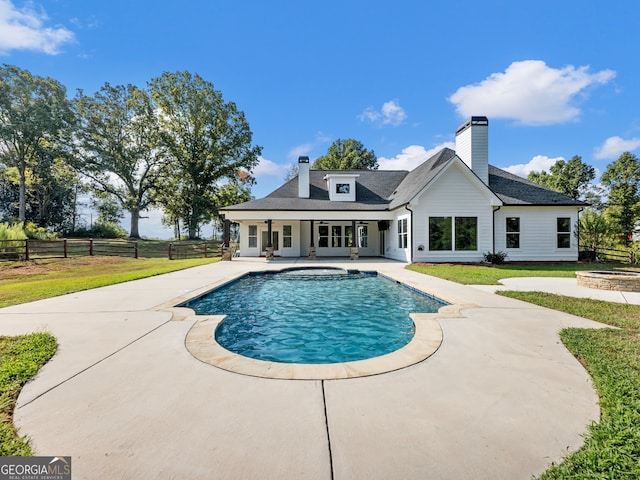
(266, 167)
(530, 92)
(391, 113)
(299, 150)
(411, 157)
(613, 147)
(536, 164)
(24, 29)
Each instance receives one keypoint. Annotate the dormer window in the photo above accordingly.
(341, 186)
(344, 188)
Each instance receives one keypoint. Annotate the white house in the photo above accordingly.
(454, 207)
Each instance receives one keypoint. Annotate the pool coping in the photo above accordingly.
(200, 342)
(426, 341)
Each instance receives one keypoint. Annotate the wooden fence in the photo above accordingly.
(184, 250)
(32, 249)
(608, 255)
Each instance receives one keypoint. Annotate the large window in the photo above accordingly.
(323, 236)
(286, 236)
(336, 236)
(564, 232)
(253, 236)
(513, 232)
(445, 233)
(403, 236)
(466, 233)
(440, 233)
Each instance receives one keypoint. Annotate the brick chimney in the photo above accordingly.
(472, 146)
(303, 177)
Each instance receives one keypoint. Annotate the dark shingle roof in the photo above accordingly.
(373, 189)
(515, 190)
(390, 189)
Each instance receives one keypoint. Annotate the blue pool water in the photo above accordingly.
(311, 316)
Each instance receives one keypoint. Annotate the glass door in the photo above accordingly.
(275, 242)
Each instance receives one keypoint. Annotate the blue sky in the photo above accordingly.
(555, 78)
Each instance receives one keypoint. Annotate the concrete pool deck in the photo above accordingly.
(501, 398)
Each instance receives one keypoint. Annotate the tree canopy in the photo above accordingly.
(347, 154)
(118, 146)
(36, 120)
(622, 177)
(207, 141)
(571, 177)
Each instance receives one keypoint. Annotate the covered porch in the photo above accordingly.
(315, 236)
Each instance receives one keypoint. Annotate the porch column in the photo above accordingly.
(226, 240)
(269, 253)
(354, 244)
(312, 245)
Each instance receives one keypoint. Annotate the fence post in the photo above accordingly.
(64, 246)
(205, 249)
(170, 251)
(631, 257)
(26, 249)
(135, 246)
(91, 247)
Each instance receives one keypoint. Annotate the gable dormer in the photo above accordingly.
(341, 186)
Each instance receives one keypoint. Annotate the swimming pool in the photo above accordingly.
(314, 316)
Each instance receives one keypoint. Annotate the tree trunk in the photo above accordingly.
(193, 227)
(22, 200)
(135, 220)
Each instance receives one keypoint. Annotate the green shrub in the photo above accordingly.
(10, 231)
(101, 230)
(496, 258)
(35, 232)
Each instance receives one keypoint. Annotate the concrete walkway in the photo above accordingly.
(501, 398)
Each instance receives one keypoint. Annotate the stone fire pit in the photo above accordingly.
(605, 280)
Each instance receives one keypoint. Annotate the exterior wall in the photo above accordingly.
(538, 233)
(453, 195)
(276, 226)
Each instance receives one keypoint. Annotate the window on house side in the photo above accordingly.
(286, 236)
(564, 232)
(440, 233)
(466, 233)
(336, 236)
(402, 233)
(348, 236)
(323, 236)
(253, 236)
(513, 232)
(343, 188)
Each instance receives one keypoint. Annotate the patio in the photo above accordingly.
(501, 398)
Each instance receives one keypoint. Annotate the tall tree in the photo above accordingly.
(208, 141)
(571, 177)
(347, 154)
(35, 115)
(119, 149)
(623, 179)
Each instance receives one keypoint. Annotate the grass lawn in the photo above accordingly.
(20, 359)
(611, 356)
(22, 282)
(474, 274)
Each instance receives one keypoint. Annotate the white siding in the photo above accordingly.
(453, 195)
(293, 251)
(538, 234)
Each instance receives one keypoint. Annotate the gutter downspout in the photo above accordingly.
(407, 207)
(494, 228)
